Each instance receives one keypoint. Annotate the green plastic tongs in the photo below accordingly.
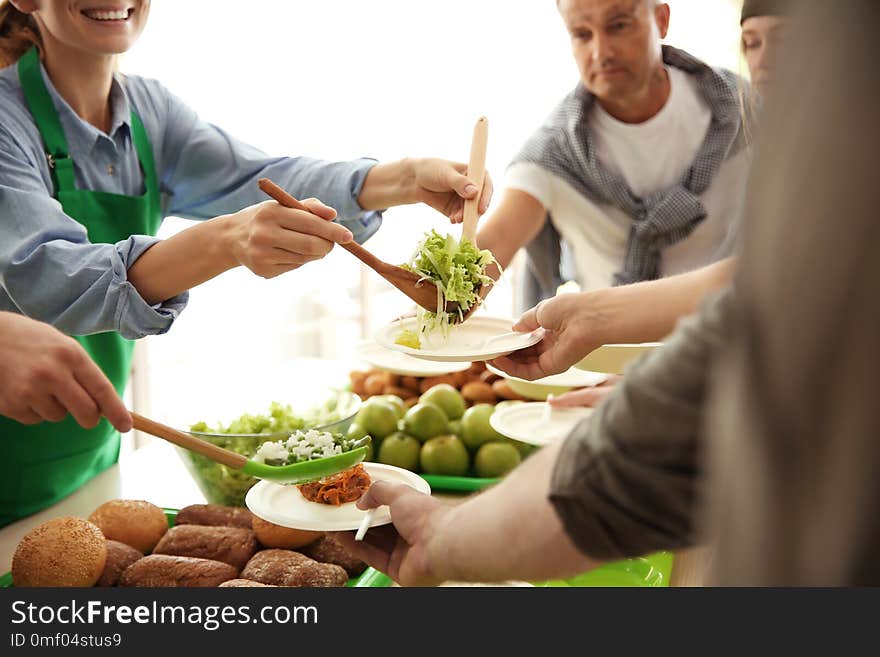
(295, 473)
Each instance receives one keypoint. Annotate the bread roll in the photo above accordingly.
(63, 551)
(328, 550)
(169, 571)
(119, 557)
(288, 568)
(232, 545)
(239, 583)
(134, 522)
(271, 535)
(214, 515)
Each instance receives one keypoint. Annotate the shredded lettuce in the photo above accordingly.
(457, 269)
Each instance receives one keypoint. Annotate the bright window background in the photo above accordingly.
(340, 79)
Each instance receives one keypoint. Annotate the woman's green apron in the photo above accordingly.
(45, 462)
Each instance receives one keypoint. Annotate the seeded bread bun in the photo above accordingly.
(271, 535)
(64, 551)
(133, 522)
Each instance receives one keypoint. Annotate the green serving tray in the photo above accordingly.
(652, 570)
(458, 484)
(370, 578)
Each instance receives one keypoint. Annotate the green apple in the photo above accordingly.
(356, 432)
(444, 455)
(395, 401)
(378, 417)
(425, 421)
(447, 398)
(400, 450)
(475, 427)
(496, 459)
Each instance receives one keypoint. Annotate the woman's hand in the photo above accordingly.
(442, 184)
(44, 375)
(270, 239)
(400, 550)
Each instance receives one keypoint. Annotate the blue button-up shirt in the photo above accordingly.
(48, 268)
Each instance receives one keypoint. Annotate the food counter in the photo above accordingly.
(157, 474)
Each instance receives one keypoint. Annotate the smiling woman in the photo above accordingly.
(91, 162)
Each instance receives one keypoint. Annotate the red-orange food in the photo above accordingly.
(340, 488)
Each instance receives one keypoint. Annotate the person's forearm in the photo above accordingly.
(509, 532)
(389, 184)
(649, 311)
(181, 262)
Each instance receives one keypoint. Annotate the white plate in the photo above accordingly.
(527, 423)
(399, 363)
(613, 358)
(573, 377)
(285, 505)
(465, 342)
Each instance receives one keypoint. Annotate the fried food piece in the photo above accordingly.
(119, 557)
(340, 488)
(271, 535)
(232, 545)
(134, 522)
(239, 583)
(502, 389)
(328, 550)
(170, 571)
(289, 568)
(478, 392)
(430, 381)
(214, 515)
(64, 551)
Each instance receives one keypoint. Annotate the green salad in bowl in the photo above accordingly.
(248, 432)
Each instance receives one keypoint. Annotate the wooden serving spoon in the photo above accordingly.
(477, 174)
(423, 293)
(295, 473)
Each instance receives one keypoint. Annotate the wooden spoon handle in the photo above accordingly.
(477, 174)
(280, 195)
(287, 200)
(185, 440)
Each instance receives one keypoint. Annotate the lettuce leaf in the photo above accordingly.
(457, 269)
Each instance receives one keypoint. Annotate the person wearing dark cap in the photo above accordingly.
(763, 30)
(647, 311)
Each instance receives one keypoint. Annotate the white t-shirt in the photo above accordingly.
(650, 156)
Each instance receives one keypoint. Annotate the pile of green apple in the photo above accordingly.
(439, 435)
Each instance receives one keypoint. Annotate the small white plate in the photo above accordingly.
(465, 342)
(527, 424)
(399, 363)
(573, 377)
(613, 358)
(285, 505)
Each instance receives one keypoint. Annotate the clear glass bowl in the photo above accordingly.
(221, 484)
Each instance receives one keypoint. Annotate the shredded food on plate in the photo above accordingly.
(340, 488)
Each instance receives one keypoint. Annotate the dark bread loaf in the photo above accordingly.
(167, 570)
(214, 515)
(289, 568)
(232, 545)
